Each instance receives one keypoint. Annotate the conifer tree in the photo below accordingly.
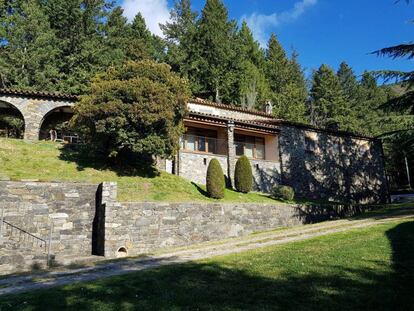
(180, 35)
(286, 81)
(215, 53)
(252, 86)
(328, 102)
(28, 60)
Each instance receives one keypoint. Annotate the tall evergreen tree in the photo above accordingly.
(180, 36)
(215, 54)
(286, 81)
(78, 25)
(328, 102)
(28, 58)
(252, 86)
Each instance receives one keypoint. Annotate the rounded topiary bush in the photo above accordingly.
(283, 192)
(215, 180)
(243, 176)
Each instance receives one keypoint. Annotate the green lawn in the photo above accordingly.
(46, 161)
(364, 269)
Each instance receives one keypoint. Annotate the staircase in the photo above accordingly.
(20, 248)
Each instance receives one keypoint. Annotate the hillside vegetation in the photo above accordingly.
(47, 161)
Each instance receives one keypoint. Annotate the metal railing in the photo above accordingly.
(189, 142)
(23, 235)
(255, 151)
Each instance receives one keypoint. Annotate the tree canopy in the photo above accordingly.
(134, 109)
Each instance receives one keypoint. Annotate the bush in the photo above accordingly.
(215, 180)
(243, 176)
(283, 192)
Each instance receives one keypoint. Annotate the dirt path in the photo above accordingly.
(18, 284)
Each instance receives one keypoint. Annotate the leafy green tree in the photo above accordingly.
(243, 176)
(328, 102)
(27, 48)
(215, 182)
(133, 110)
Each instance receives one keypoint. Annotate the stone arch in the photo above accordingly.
(8, 109)
(34, 109)
(53, 120)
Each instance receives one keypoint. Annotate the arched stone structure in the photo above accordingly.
(34, 106)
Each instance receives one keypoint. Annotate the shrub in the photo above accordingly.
(243, 176)
(283, 192)
(215, 180)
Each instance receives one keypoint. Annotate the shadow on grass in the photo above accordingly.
(85, 158)
(211, 286)
(200, 190)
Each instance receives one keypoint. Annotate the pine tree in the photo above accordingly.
(78, 25)
(252, 86)
(180, 35)
(287, 83)
(328, 102)
(28, 60)
(214, 43)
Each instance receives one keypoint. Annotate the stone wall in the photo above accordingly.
(86, 219)
(68, 209)
(329, 167)
(193, 166)
(144, 227)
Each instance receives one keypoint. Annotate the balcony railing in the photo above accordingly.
(254, 151)
(203, 144)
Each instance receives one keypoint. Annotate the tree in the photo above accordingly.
(215, 180)
(328, 103)
(28, 48)
(286, 81)
(214, 57)
(180, 37)
(252, 87)
(243, 176)
(78, 26)
(133, 110)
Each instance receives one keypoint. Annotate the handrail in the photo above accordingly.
(39, 240)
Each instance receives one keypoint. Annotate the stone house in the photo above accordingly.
(318, 163)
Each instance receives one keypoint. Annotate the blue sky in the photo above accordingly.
(322, 31)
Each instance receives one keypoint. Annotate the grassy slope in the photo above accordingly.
(364, 269)
(41, 160)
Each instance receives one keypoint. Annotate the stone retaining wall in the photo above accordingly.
(86, 219)
(36, 206)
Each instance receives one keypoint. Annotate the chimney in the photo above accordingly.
(269, 107)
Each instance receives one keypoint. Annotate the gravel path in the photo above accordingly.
(19, 284)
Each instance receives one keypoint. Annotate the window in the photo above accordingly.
(199, 140)
(250, 146)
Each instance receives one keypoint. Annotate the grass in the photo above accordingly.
(47, 162)
(362, 269)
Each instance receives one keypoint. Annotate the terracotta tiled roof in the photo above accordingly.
(38, 94)
(230, 107)
(239, 123)
(316, 129)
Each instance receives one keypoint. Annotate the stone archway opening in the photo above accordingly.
(57, 120)
(11, 121)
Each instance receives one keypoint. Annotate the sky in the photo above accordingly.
(321, 31)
